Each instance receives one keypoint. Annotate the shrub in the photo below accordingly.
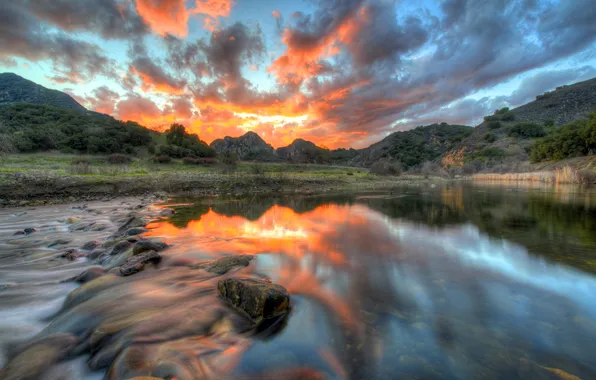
(577, 138)
(502, 111)
(508, 116)
(189, 161)
(81, 166)
(494, 124)
(490, 138)
(119, 159)
(432, 169)
(526, 130)
(229, 158)
(491, 118)
(384, 167)
(257, 169)
(162, 159)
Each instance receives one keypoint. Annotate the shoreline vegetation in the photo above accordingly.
(47, 178)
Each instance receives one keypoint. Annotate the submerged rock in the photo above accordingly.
(29, 230)
(19, 233)
(120, 247)
(148, 245)
(137, 263)
(167, 212)
(258, 299)
(223, 265)
(90, 274)
(133, 221)
(135, 231)
(38, 357)
(59, 242)
(91, 245)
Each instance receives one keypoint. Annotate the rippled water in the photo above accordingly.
(453, 282)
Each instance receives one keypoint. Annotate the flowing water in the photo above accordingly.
(447, 282)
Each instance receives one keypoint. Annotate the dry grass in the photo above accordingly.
(565, 174)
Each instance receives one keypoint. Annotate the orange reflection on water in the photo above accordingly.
(278, 230)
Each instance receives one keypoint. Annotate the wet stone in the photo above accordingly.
(135, 231)
(148, 245)
(91, 245)
(167, 212)
(29, 230)
(132, 222)
(225, 264)
(19, 233)
(38, 357)
(258, 299)
(120, 247)
(137, 263)
(90, 274)
(59, 242)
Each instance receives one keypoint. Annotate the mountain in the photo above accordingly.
(248, 147)
(304, 152)
(507, 136)
(16, 89)
(413, 147)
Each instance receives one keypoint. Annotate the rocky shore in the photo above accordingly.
(138, 313)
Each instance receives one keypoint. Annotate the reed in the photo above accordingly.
(565, 174)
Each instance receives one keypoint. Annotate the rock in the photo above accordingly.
(530, 370)
(90, 289)
(133, 221)
(59, 242)
(148, 245)
(73, 254)
(19, 233)
(38, 357)
(29, 230)
(90, 274)
(120, 247)
(137, 263)
(115, 271)
(223, 265)
(258, 299)
(135, 231)
(72, 220)
(96, 253)
(167, 212)
(91, 245)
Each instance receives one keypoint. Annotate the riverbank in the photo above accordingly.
(27, 180)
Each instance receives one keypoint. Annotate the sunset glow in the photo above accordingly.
(340, 73)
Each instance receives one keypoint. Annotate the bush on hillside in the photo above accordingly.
(494, 125)
(490, 138)
(526, 130)
(199, 161)
(162, 159)
(508, 116)
(386, 168)
(577, 138)
(119, 159)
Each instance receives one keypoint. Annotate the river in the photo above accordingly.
(428, 282)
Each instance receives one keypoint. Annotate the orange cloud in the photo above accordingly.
(275, 14)
(164, 16)
(214, 8)
(151, 84)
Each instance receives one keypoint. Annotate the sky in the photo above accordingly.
(340, 73)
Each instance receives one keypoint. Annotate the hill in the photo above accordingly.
(508, 136)
(15, 89)
(414, 147)
(248, 147)
(304, 152)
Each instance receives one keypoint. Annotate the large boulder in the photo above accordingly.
(259, 299)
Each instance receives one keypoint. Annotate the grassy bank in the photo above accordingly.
(55, 177)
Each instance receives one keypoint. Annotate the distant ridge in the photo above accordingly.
(248, 147)
(16, 89)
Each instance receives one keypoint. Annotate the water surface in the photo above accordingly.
(429, 282)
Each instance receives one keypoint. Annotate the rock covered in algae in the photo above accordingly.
(148, 245)
(225, 264)
(258, 299)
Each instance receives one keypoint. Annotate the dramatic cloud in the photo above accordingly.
(338, 72)
(22, 36)
(108, 18)
(165, 16)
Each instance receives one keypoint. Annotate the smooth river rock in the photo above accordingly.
(258, 299)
